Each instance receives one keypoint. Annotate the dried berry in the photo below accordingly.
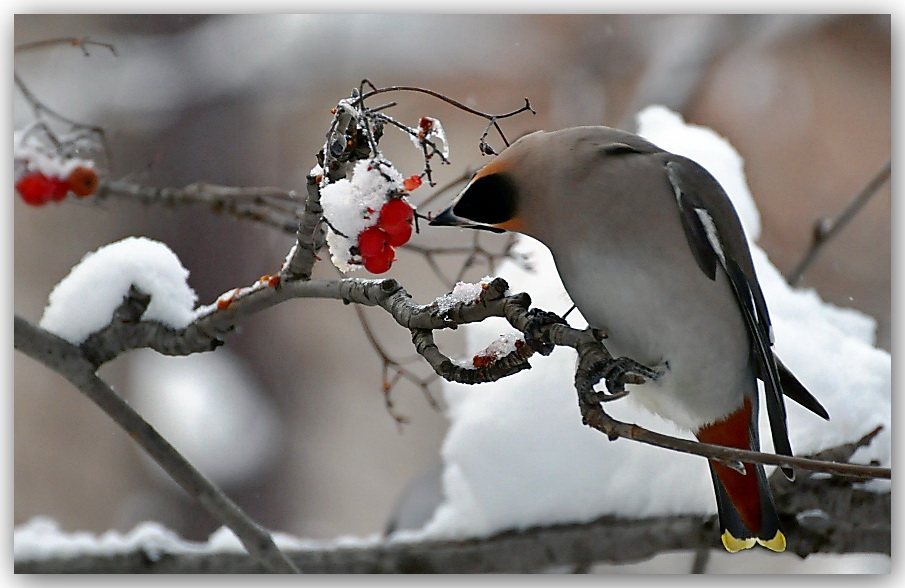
(411, 183)
(82, 181)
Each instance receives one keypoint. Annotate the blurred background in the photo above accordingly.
(289, 416)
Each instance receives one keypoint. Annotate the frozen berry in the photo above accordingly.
(399, 236)
(371, 241)
(380, 262)
(35, 188)
(394, 214)
(82, 181)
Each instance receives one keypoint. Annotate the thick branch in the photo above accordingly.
(594, 361)
(68, 361)
(819, 517)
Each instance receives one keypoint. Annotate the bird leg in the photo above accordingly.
(595, 363)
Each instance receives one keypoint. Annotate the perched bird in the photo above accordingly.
(651, 251)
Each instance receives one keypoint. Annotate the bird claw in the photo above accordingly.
(616, 373)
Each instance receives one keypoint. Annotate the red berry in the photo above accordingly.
(381, 262)
(371, 242)
(82, 181)
(395, 214)
(399, 236)
(35, 188)
(60, 189)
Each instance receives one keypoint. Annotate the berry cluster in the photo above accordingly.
(377, 243)
(37, 189)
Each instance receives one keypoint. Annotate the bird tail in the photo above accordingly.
(746, 510)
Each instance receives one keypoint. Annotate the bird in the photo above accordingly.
(651, 251)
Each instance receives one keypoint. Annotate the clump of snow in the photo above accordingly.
(84, 301)
(31, 154)
(539, 464)
(500, 347)
(462, 292)
(430, 129)
(42, 538)
(352, 205)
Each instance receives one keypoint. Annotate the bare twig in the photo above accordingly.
(67, 360)
(492, 118)
(826, 229)
(81, 42)
(393, 371)
(275, 207)
(596, 418)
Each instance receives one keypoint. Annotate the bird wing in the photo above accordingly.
(711, 250)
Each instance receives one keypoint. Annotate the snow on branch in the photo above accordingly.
(825, 518)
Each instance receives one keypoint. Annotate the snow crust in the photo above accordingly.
(42, 538)
(84, 301)
(462, 292)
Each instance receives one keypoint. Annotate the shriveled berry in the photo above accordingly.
(371, 241)
(411, 183)
(394, 214)
(399, 236)
(35, 188)
(82, 181)
(380, 262)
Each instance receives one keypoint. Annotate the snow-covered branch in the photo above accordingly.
(823, 517)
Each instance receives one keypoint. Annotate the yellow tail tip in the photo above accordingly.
(733, 544)
(777, 543)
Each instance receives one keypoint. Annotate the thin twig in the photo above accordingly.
(826, 229)
(275, 207)
(81, 42)
(596, 418)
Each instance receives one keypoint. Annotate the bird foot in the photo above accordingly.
(616, 373)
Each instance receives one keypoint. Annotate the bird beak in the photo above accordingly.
(448, 219)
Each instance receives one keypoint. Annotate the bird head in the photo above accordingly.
(491, 200)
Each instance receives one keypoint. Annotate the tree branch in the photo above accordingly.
(819, 517)
(275, 207)
(68, 361)
(826, 229)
